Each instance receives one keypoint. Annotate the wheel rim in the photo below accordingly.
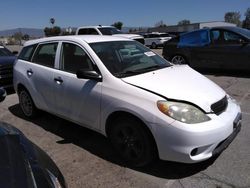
(178, 60)
(26, 103)
(129, 143)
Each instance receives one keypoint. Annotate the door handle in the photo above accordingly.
(29, 72)
(58, 80)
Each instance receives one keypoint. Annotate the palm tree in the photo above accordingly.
(52, 21)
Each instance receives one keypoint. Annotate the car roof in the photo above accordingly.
(96, 26)
(224, 27)
(85, 38)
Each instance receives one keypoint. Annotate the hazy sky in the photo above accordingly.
(74, 13)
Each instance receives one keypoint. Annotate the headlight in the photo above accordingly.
(183, 112)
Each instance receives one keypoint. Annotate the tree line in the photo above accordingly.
(235, 17)
(230, 17)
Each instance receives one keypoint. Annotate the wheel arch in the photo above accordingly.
(19, 87)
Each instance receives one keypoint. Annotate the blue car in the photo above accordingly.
(225, 48)
(7, 59)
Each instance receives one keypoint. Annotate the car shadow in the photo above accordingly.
(100, 146)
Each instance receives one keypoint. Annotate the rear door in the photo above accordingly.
(197, 47)
(40, 75)
(76, 99)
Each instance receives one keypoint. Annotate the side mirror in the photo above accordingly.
(86, 74)
(2, 94)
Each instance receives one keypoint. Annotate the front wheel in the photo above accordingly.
(178, 60)
(132, 141)
(27, 105)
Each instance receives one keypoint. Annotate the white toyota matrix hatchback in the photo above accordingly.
(146, 106)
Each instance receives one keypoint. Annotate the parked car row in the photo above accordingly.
(225, 48)
(147, 107)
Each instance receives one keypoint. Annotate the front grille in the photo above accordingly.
(140, 40)
(220, 106)
(6, 75)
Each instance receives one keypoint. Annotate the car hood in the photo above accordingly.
(180, 82)
(130, 36)
(6, 60)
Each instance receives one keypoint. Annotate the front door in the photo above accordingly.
(77, 99)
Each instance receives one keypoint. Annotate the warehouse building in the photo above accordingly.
(176, 29)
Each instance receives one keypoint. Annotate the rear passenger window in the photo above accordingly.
(83, 32)
(27, 52)
(45, 54)
(87, 31)
(197, 38)
(92, 32)
(231, 37)
(74, 58)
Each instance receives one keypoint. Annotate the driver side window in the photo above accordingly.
(74, 58)
(231, 37)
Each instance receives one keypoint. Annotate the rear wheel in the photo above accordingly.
(27, 105)
(178, 60)
(132, 141)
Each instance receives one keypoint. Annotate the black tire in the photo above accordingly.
(132, 141)
(154, 45)
(27, 105)
(178, 60)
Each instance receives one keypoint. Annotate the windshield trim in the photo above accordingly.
(139, 71)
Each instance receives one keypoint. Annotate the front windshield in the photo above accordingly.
(127, 58)
(109, 31)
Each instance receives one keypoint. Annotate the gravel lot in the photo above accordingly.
(87, 160)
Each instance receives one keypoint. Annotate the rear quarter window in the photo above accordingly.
(27, 52)
(45, 54)
(197, 38)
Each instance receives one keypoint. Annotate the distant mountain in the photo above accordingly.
(30, 31)
(37, 33)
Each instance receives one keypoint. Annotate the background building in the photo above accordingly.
(176, 29)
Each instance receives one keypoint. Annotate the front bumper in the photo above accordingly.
(191, 143)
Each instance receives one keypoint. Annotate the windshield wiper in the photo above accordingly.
(151, 68)
(139, 71)
(125, 73)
